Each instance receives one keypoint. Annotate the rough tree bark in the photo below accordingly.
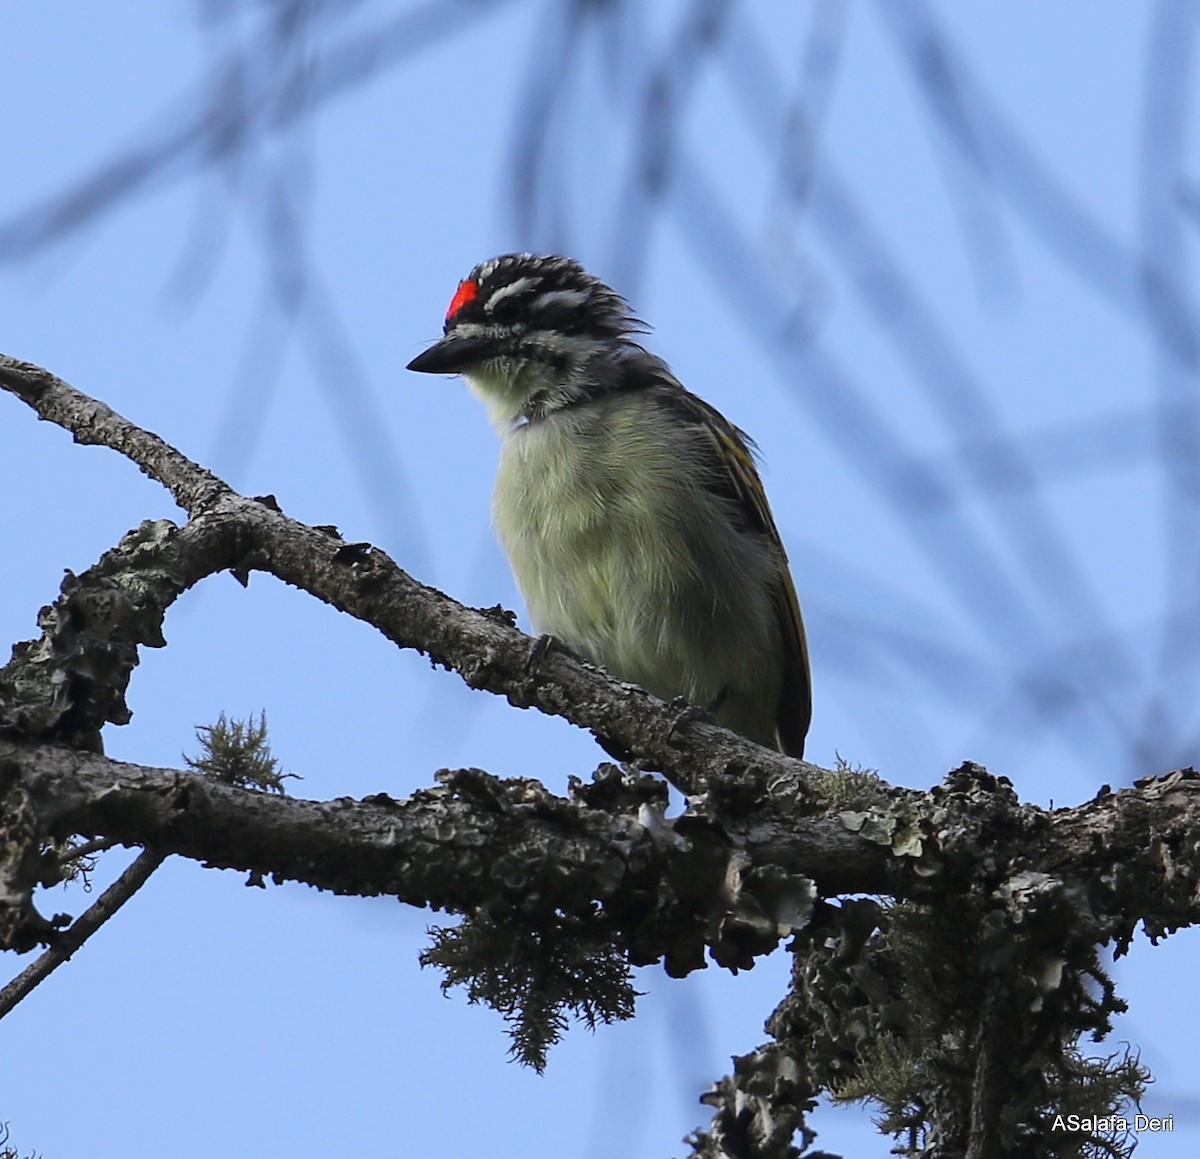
(955, 995)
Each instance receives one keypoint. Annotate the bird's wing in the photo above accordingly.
(735, 476)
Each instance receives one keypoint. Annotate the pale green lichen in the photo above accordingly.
(238, 753)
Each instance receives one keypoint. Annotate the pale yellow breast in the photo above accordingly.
(622, 555)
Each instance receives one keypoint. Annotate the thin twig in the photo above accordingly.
(111, 900)
(94, 423)
(88, 848)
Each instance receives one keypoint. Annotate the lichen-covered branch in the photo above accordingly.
(473, 843)
(1134, 850)
(956, 999)
(65, 686)
(948, 1019)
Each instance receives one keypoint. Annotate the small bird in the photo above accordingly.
(631, 511)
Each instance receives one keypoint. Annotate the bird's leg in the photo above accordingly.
(686, 712)
(538, 651)
(524, 696)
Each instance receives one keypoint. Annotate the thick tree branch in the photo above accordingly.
(474, 843)
(599, 844)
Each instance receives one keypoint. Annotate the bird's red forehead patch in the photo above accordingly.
(466, 293)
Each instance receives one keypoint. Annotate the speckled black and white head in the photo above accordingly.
(524, 329)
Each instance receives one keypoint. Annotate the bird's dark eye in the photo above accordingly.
(508, 309)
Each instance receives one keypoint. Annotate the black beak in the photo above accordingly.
(452, 355)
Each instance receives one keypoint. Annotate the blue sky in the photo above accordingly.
(944, 354)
